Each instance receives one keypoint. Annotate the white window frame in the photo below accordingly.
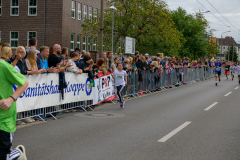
(85, 12)
(14, 39)
(0, 7)
(72, 42)
(29, 38)
(89, 45)
(90, 12)
(94, 44)
(73, 9)
(79, 41)
(95, 14)
(84, 43)
(32, 7)
(79, 11)
(14, 7)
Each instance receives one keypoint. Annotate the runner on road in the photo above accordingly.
(8, 111)
(120, 77)
(227, 68)
(232, 68)
(238, 71)
(218, 66)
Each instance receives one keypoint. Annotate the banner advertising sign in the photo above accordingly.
(104, 89)
(43, 91)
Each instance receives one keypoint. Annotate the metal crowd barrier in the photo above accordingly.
(138, 82)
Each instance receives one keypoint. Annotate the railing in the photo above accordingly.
(139, 82)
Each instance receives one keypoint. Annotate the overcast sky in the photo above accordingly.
(230, 9)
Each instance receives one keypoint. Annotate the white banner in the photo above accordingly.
(129, 45)
(43, 91)
(103, 89)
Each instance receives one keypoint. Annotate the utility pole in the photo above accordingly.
(101, 30)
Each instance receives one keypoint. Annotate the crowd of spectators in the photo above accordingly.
(30, 61)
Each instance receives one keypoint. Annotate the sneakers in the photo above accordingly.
(22, 151)
(219, 79)
(123, 104)
(216, 84)
(227, 78)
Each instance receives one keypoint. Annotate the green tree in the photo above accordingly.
(232, 54)
(149, 22)
(193, 28)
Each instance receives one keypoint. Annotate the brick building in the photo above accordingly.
(50, 21)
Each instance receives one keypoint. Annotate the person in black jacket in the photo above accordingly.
(139, 64)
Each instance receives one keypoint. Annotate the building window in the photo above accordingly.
(90, 13)
(14, 38)
(30, 35)
(72, 42)
(79, 11)
(73, 9)
(94, 44)
(89, 44)
(223, 47)
(85, 12)
(84, 43)
(32, 7)
(0, 7)
(78, 41)
(14, 9)
(95, 14)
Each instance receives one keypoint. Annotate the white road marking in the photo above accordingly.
(227, 94)
(236, 87)
(212, 105)
(169, 135)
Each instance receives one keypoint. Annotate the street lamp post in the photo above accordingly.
(221, 42)
(113, 8)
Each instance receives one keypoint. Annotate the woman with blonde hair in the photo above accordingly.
(21, 63)
(6, 54)
(31, 61)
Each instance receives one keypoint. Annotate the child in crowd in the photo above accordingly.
(120, 77)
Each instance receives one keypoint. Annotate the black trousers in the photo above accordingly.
(119, 92)
(5, 144)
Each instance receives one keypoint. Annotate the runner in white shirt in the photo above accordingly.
(120, 77)
(238, 72)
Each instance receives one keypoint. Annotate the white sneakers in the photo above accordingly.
(22, 151)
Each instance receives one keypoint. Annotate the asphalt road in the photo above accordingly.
(195, 122)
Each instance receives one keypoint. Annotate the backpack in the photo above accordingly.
(170, 70)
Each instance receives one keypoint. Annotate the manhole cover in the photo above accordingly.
(99, 115)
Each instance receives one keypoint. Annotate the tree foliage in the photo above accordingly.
(232, 54)
(149, 22)
(155, 28)
(193, 28)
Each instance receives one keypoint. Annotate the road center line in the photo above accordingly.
(227, 94)
(212, 105)
(169, 135)
(236, 87)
